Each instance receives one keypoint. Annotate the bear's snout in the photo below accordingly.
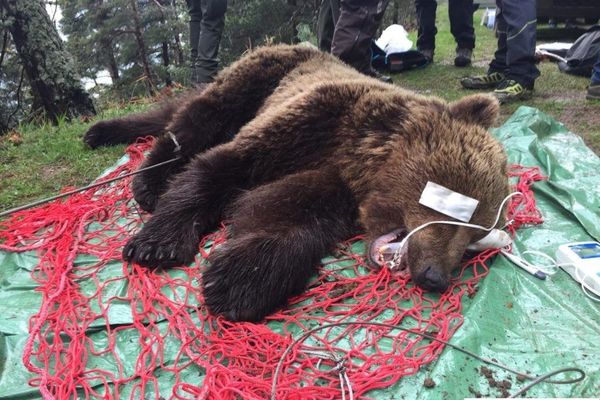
(432, 279)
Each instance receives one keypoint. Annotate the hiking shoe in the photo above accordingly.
(428, 54)
(487, 81)
(378, 75)
(510, 90)
(593, 92)
(463, 57)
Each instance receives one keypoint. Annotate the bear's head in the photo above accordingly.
(447, 144)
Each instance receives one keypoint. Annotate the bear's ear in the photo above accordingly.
(477, 109)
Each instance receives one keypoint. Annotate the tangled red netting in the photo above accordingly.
(106, 329)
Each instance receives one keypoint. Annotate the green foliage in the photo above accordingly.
(101, 37)
(253, 23)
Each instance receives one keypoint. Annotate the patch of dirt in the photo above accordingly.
(584, 120)
(475, 393)
(429, 383)
(503, 386)
(565, 96)
(51, 173)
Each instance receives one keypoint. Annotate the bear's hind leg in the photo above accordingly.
(129, 128)
(216, 115)
(281, 231)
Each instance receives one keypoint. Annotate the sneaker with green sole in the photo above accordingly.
(487, 81)
(510, 90)
(593, 92)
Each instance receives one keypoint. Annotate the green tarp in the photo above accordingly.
(528, 324)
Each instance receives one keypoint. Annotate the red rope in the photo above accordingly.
(174, 335)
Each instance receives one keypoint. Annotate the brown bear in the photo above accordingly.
(298, 151)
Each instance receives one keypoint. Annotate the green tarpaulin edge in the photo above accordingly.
(528, 324)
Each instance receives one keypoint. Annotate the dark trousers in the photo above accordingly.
(460, 13)
(329, 12)
(596, 72)
(354, 31)
(516, 30)
(207, 19)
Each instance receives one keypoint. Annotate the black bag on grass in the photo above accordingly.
(582, 56)
(396, 62)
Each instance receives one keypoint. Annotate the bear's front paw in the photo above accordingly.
(157, 249)
(250, 277)
(145, 194)
(100, 134)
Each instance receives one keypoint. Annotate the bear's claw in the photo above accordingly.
(154, 251)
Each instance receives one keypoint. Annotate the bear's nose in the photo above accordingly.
(431, 279)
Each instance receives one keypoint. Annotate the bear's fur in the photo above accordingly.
(298, 152)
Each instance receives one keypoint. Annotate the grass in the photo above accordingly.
(52, 157)
(39, 161)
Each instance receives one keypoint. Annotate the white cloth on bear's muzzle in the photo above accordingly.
(448, 202)
(394, 39)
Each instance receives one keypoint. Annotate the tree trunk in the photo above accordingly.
(178, 47)
(166, 62)
(113, 67)
(142, 47)
(51, 72)
(111, 61)
(178, 50)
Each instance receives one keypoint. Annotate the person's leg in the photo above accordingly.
(426, 20)
(460, 13)
(521, 71)
(195, 13)
(593, 92)
(213, 21)
(520, 17)
(498, 64)
(596, 72)
(328, 15)
(497, 67)
(354, 32)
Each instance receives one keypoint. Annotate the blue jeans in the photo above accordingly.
(596, 72)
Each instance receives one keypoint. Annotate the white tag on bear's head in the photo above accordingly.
(448, 202)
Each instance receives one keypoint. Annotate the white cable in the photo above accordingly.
(546, 269)
(553, 269)
(585, 287)
(398, 252)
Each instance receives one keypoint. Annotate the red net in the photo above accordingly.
(109, 330)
